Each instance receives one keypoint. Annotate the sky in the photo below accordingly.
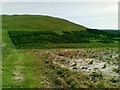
(98, 14)
(59, 0)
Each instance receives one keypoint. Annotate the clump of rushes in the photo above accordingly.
(114, 80)
(63, 72)
(117, 70)
(63, 61)
(91, 62)
(96, 74)
(110, 56)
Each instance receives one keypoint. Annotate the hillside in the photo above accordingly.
(52, 32)
(47, 52)
(38, 22)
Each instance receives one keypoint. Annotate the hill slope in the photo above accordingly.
(38, 22)
(33, 31)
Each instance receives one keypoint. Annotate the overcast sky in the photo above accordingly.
(101, 14)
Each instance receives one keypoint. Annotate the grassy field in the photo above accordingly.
(27, 31)
(35, 66)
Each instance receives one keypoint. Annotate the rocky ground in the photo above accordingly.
(96, 63)
(72, 68)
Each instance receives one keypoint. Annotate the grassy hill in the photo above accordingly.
(52, 32)
(35, 22)
(33, 65)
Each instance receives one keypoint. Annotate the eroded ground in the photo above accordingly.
(87, 66)
(88, 61)
(61, 68)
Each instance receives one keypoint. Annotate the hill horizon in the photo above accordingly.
(50, 16)
(39, 22)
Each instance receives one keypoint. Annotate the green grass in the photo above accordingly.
(50, 39)
(31, 70)
(80, 45)
(34, 22)
(9, 62)
(6, 40)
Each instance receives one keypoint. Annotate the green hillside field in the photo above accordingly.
(40, 23)
(28, 45)
(48, 32)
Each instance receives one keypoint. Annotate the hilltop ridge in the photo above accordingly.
(39, 22)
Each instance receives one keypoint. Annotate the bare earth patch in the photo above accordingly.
(88, 61)
(17, 74)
